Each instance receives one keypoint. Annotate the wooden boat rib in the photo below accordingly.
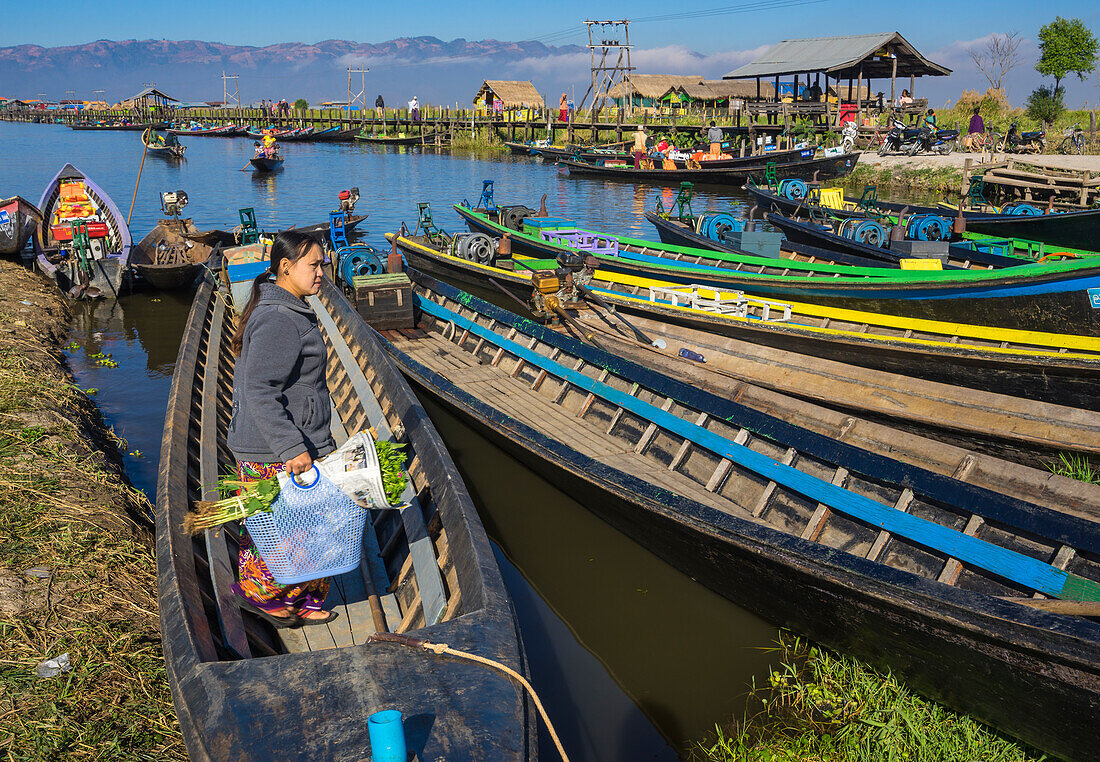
(109, 263)
(771, 516)
(825, 167)
(429, 572)
(166, 258)
(1046, 297)
(1062, 369)
(19, 219)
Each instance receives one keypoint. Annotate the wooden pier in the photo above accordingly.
(1032, 180)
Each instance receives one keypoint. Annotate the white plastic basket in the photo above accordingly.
(312, 531)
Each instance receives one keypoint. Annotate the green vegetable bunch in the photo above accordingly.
(253, 498)
(392, 460)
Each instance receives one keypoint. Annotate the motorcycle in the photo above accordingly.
(849, 135)
(938, 141)
(1015, 141)
(899, 139)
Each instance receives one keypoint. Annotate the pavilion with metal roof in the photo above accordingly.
(859, 57)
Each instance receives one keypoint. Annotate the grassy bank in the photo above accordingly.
(77, 573)
(910, 182)
(829, 708)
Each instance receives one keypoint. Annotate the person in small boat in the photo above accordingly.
(281, 411)
(271, 147)
(259, 152)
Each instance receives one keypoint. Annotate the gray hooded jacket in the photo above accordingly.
(281, 404)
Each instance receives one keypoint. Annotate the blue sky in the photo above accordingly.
(939, 28)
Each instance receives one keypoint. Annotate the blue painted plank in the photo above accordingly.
(1027, 571)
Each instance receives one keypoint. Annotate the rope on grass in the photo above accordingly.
(442, 649)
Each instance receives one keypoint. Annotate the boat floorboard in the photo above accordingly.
(495, 387)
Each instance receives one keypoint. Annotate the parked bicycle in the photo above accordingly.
(1073, 140)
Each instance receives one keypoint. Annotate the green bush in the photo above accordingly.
(1045, 105)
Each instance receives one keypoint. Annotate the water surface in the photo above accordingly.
(632, 658)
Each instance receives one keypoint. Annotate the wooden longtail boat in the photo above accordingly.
(823, 168)
(72, 197)
(1063, 369)
(974, 598)
(230, 237)
(168, 148)
(1076, 230)
(409, 140)
(221, 131)
(18, 220)
(335, 135)
(132, 127)
(1046, 297)
(810, 234)
(680, 232)
(166, 258)
(519, 149)
(245, 691)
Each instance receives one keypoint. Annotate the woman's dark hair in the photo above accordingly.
(290, 245)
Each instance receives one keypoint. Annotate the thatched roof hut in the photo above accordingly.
(513, 93)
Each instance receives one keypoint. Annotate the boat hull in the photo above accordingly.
(263, 164)
(18, 220)
(1068, 383)
(808, 169)
(1020, 670)
(453, 709)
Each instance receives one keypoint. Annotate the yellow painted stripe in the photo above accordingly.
(1033, 338)
(988, 333)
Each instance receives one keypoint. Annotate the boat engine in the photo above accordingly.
(553, 290)
(475, 247)
(513, 216)
(348, 198)
(173, 202)
(358, 259)
(928, 227)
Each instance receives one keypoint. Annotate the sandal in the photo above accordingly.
(279, 622)
(304, 622)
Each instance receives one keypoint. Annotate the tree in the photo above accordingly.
(1000, 55)
(1045, 105)
(301, 104)
(1066, 46)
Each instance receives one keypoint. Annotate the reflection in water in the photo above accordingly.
(626, 651)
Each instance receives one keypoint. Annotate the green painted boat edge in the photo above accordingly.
(1028, 269)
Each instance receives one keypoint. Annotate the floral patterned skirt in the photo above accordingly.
(256, 585)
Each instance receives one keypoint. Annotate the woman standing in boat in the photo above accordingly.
(281, 411)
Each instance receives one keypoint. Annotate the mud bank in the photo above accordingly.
(77, 571)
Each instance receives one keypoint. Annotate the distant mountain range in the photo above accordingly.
(436, 71)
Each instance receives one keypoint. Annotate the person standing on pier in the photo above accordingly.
(414, 109)
(281, 411)
(640, 150)
(379, 107)
(714, 137)
(563, 109)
